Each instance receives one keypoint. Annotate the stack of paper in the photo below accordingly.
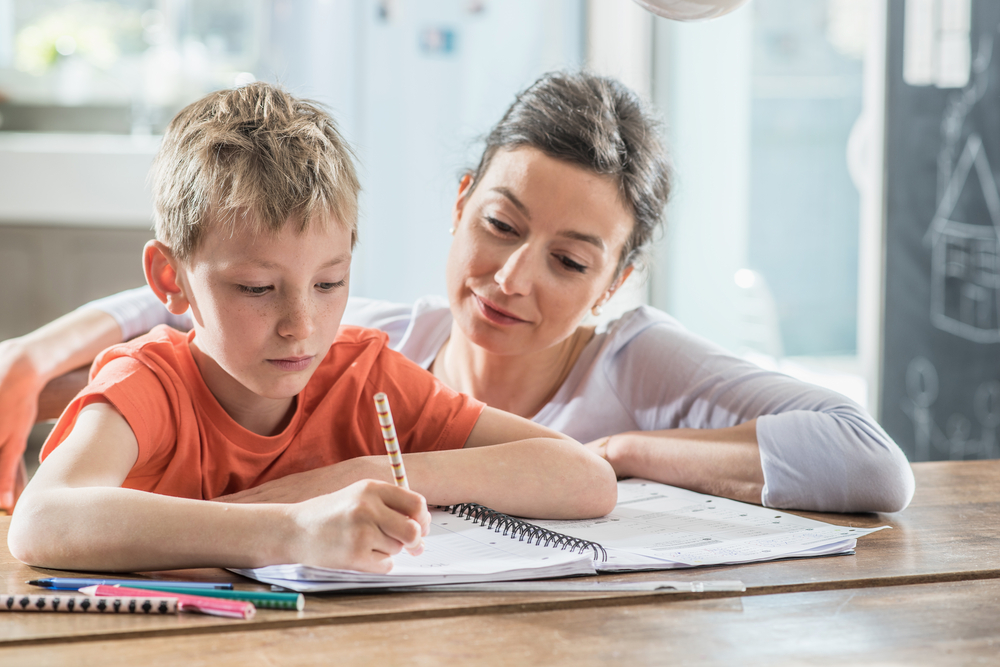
(653, 527)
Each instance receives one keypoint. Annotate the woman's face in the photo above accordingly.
(536, 247)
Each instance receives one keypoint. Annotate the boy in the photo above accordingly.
(256, 205)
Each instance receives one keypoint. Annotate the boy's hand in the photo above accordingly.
(359, 527)
(20, 386)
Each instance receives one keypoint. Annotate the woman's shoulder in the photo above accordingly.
(415, 329)
(645, 329)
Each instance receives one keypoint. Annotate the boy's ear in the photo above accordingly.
(464, 186)
(160, 266)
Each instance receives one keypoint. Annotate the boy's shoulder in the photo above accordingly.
(162, 344)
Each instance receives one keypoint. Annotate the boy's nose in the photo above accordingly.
(297, 322)
(514, 277)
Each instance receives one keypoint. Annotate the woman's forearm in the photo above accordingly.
(721, 462)
(69, 342)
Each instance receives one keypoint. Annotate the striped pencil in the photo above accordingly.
(121, 604)
(389, 435)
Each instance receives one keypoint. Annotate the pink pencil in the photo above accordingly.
(210, 606)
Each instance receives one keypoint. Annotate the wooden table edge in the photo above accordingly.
(577, 601)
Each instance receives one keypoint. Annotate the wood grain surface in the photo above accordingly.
(926, 624)
(950, 533)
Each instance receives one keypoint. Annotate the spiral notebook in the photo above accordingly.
(653, 527)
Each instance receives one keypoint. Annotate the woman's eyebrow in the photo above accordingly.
(586, 238)
(518, 204)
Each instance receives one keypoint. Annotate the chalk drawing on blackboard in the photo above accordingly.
(965, 280)
(965, 249)
(955, 440)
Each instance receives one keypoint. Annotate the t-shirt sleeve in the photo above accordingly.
(818, 449)
(137, 311)
(135, 391)
(428, 415)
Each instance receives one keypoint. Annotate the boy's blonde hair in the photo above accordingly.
(250, 158)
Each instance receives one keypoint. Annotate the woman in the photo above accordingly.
(569, 190)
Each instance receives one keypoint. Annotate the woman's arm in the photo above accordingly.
(30, 362)
(705, 412)
(508, 464)
(74, 515)
(721, 462)
(27, 364)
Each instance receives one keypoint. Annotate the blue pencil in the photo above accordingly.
(73, 584)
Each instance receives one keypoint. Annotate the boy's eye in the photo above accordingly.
(501, 227)
(327, 287)
(254, 290)
(570, 264)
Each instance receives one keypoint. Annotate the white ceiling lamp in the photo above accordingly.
(691, 10)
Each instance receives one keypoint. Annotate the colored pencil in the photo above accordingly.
(75, 584)
(120, 604)
(197, 603)
(389, 436)
(260, 599)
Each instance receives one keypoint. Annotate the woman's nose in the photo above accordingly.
(514, 277)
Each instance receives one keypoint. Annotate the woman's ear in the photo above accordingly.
(161, 267)
(626, 272)
(610, 292)
(464, 187)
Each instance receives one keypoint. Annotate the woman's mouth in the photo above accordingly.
(495, 314)
(292, 364)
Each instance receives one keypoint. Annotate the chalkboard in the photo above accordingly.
(941, 348)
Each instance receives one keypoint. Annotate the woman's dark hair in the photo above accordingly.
(597, 123)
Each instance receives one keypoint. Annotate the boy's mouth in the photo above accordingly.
(292, 364)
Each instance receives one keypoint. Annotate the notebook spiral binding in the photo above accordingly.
(523, 530)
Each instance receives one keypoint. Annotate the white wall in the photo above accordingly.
(702, 78)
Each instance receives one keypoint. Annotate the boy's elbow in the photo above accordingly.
(599, 487)
(24, 542)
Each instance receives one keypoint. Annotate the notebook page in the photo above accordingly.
(456, 550)
(685, 528)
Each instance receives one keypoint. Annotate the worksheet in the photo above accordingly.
(653, 527)
(457, 550)
(679, 528)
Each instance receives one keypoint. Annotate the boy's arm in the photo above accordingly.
(509, 464)
(74, 515)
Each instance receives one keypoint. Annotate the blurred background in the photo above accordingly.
(774, 116)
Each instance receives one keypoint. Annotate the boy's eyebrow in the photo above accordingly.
(263, 263)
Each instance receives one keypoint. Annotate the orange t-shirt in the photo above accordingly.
(190, 447)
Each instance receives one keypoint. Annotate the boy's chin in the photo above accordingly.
(287, 388)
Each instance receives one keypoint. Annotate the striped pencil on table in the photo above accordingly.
(389, 435)
(119, 604)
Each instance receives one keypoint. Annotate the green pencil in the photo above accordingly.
(261, 599)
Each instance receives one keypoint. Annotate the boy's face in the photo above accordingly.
(266, 308)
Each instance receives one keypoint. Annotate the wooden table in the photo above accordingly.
(926, 591)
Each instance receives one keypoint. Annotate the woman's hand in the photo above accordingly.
(20, 385)
(721, 462)
(360, 527)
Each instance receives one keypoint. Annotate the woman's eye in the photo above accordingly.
(329, 287)
(254, 290)
(571, 265)
(501, 227)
